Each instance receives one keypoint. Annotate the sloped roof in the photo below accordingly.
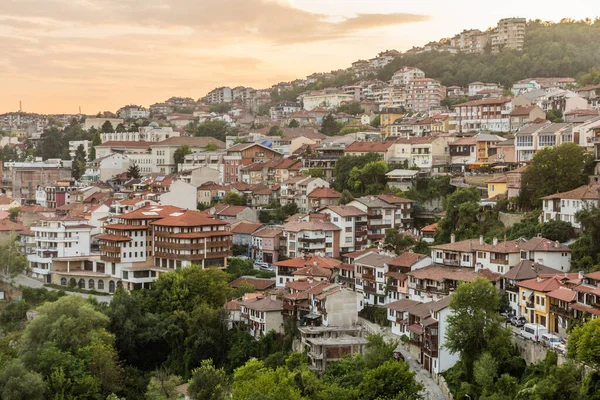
(366, 147)
(542, 244)
(268, 232)
(564, 294)
(430, 228)
(346, 211)
(373, 259)
(325, 192)
(258, 283)
(189, 218)
(546, 285)
(263, 304)
(586, 192)
(406, 259)
(309, 259)
(527, 269)
(246, 228)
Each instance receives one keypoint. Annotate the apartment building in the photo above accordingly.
(387, 117)
(509, 34)
(563, 206)
(222, 94)
(327, 98)
(133, 112)
(312, 234)
(353, 226)
(26, 177)
(268, 245)
(406, 74)
(262, 314)
(471, 41)
(58, 237)
(384, 212)
(284, 110)
(425, 94)
(397, 268)
(488, 114)
(151, 133)
(245, 154)
(535, 137)
(521, 116)
(371, 281)
(284, 270)
(385, 149)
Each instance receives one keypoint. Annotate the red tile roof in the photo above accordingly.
(406, 259)
(366, 147)
(564, 294)
(231, 211)
(113, 238)
(246, 228)
(324, 193)
(430, 228)
(123, 143)
(393, 199)
(586, 192)
(546, 285)
(188, 218)
(346, 211)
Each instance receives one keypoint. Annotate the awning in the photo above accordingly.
(415, 328)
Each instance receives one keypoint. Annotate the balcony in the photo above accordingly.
(370, 288)
(111, 259)
(311, 240)
(452, 262)
(219, 243)
(179, 246)
(499, 261)
(376, 236)
(375, 216)
(369, 277)
(346, 279)
(110, 249)
(529, 305)
(433, 289)
(561, 311)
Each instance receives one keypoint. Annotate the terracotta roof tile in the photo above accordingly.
(406, 259)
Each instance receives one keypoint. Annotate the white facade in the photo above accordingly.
(404, 75)
(150, 133)
(134, 112)
(476, 87)
(181, 194)
(327, 100)
(58, 238)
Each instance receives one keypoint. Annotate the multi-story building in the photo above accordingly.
(521, 116)
(384, 212)
(371, 281)
(387, 117)
(222, 94)
(353, 226)
(96, 123)
(471, 41)
(425, 94)
(133, 112)
(26, 177)
(262, 314)
(509, 34)
(313, 234)
(327, 99)
(74, 145)
(159, 109)
(284, 270)
(151, 133)
(58, 237)
(406, 74)
(385, 149)
(55, 195)
(163, 152)
(563, 206)
(268, 245)
(322, 197)
(488, 114)
(284, 110)
(245, 154)
(476, 87)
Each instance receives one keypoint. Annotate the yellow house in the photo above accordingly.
(497, 185)
(387, 117)
(533, 302)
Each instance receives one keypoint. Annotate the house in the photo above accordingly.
(534, 305)
(180, 194)
(323, 197)
(524, 270)
(245, 154)
(487, 114)
(371, 282)
(547, 252)
(284, 270)
(384, 149)
(513, 181)
(268, 245)
(352, 223)
(402, 179)
(563, 206)
(262, 314)
(497, 186)
(406, 74)
(210, 192)
(387, 117)
(242, 233)
(228, 212)
(313, 234)
(476, 87)
(384, 212)
(521, 116)
(6, 203)
(428, 232)
(260, 284)
(397, 268)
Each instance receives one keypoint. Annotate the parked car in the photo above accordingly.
(262, 265)
(551, 340)
(518, 321)
(533, 331)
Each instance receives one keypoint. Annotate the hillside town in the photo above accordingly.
(353, 210)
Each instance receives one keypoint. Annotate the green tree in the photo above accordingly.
(13, 213)
(329, 126)
(79, 165)
(18, 383)
(376, 122)
(255, 381)
(352, 108)
(316, 172)
(12, 262)
(275, 131)
(95, 142)
(345, 164)
(220, 108)
(180, 153)
(554, 115)
(462, 215)
(346, 197)
(293, 124)
(369, 179)
(397, 241)
(51, 145)
(208, 382)
(390, 380)
(234, 199)
(553, 170)
(378, 351)
(163, 386)
(584, 343)
(213, 128)
(107, 127)
(211, 147)
(474, 325)
(558, 230)
(133, 172)
(586, 250)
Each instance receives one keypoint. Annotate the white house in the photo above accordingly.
(181, 194)
(406, 74)
(352, 222)
(563, 206)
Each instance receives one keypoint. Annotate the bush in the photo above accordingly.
(377, 315)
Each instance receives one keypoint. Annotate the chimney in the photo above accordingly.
(557, 244)
(481, 239)
(495, 241)
(273, 296)
(539, 234)
(452, 238)
(580, 275)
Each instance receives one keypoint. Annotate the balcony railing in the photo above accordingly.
(448, 261)
(110, 249)
(179, 246)
(433, 289)
(111, 259)
(370, 277)
(375, 216)
(530, 305)
(499, 261)
(561, 311)
(311, 240)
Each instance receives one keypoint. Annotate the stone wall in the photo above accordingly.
(533, 352)
(510, 219)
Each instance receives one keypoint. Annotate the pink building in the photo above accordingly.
(425, 94)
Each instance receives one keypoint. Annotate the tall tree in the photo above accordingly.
(209, 383)
(462, 215)
(107, 127)
(96, 140)
(474, 323)
(390, 380)
(51, 145)
(133, 172)
(293, 124)
(329, 126)
(12, 262)
(18, 383)
(79, 165)
(553, 170)
(214, 128)
(180, 153)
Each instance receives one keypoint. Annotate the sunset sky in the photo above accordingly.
(56, 55)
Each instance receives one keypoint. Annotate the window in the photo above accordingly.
(466, 258)
(91, 284)
(348, 219)
(100, 284)
(348, 240)
(348, 229)
(63, 281)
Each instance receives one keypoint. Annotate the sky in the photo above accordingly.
(59, 55)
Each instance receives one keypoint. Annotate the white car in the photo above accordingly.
(551, 340)
(262, 265)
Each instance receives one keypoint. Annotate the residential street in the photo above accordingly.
(432, 389)
(34, 283)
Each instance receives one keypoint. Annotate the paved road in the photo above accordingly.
(432, 389)
(34, 283)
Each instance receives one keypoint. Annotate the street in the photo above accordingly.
(34, 283)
